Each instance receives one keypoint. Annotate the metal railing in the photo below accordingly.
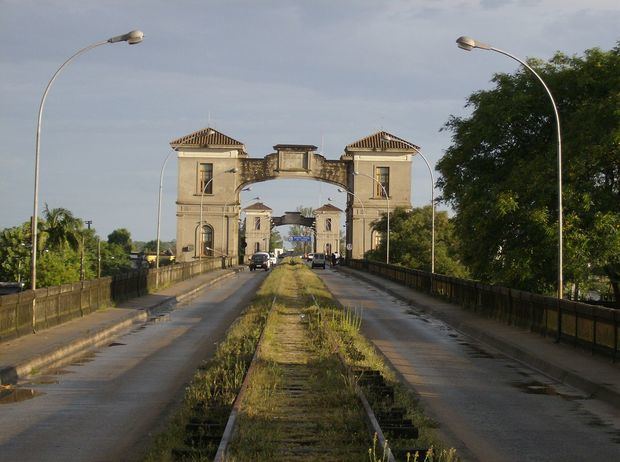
(58, 304)
(589, 326)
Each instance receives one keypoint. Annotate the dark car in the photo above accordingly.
(260, 260)
(7, 288)
(318, 260)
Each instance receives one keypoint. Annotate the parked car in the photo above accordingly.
(309, 257)
(318, 260)
(273, 259)
(260, 260)
(11, 287)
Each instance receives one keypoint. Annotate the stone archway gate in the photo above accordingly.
(213, 168)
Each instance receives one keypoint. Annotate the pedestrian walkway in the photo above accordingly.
(20, 356)
(598, 376)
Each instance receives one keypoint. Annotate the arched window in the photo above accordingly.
(207, 240)
(375, 240)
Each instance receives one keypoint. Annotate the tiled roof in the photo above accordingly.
(381, 141)
(328, 208)
(206, 137)
(257, 206)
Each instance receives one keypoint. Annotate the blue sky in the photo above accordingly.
(264, 72)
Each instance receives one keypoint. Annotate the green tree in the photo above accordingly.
(114, 259)
(56, 267)
(410, 241)
(275, 240)
(15, 254)
(61, 229)
(121, 237)
(297, 230)
(500, 174)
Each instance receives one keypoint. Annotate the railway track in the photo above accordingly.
(299, 401)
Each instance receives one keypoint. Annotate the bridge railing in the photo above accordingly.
(58, 304)
(593, 327)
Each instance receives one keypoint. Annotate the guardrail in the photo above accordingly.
(589, 326)
(58, 304)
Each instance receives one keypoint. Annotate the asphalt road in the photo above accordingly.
(489, 407)
(105, 406)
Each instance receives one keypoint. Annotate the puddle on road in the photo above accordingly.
(538, 388)
(84, 359)
(9, 395)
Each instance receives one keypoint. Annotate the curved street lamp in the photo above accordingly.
(387, 198)
(468, 44)
(225, 246)
(343, 190)
(132, 38)
(387, 138)
(202, 195)
(161, 184)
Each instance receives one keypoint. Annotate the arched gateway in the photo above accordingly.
(213, 168)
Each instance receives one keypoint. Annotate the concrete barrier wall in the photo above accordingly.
(59, 304)
(594, 327)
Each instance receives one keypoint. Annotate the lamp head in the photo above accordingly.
(132, 38)
(233, 170)
(468, 43)
(340, 190)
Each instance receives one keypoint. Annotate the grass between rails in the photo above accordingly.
(194, 432)
(343, 325)
(298, 406)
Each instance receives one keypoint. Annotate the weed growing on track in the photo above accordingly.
(298, 406)
(344, 324)
(195, 430)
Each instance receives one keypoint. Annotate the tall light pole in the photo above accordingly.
(132, 38)
(202, 195)
(468, 44)
(387, 138)
(387, 198)
(343, 190)
(161, 185)
(225, 246)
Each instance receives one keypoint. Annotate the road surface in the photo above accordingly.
(105, 406)
(490, 407)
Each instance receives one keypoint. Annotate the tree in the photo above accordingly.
(275, 240)
(62, 230)
(297, 230)
(410, 241)
(500, 173)
(121, 237)
(15, 253)
(114, 259)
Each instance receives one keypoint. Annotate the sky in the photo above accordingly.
(265, 72)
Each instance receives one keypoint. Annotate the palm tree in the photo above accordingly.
(62, 229)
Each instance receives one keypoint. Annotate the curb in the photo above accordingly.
(562, 375)
(65, 353)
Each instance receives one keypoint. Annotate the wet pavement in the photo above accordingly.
(104, 405)
(488, 405)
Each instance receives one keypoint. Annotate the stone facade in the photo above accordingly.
(213, 168)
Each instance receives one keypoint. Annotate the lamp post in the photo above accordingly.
(387, 253)
(343, 190)
(225, 247)
(202, 195)
(131, 38)
(387, 138)
(468, 44)
(161, 184)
